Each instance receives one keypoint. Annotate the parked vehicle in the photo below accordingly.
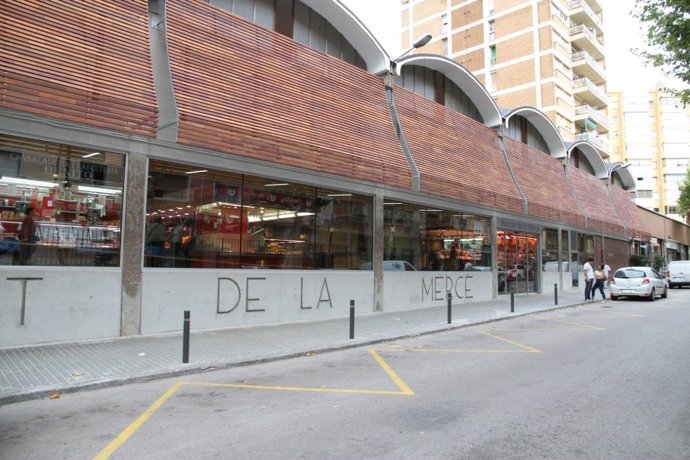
(678, 273)
(642, 282)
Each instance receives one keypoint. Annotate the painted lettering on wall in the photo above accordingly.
(324, 289)
(230, 295)
(438, 286)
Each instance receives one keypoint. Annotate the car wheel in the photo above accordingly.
(671, 285)
(665, 294)
(614, 297)
(652, 296)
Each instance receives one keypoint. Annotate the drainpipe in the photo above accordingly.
(388, 82)
(502, 145)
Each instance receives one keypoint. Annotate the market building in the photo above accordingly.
(260, 162)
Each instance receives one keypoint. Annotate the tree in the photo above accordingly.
(684, 198)
(667, 24)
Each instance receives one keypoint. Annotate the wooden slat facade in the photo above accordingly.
(264, 96)
(595, 201)
(630, 214)
(83, 62)
(457, 157)
(542, 179)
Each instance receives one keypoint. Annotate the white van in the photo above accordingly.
(679, 273)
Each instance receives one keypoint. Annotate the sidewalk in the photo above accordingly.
(34, 372)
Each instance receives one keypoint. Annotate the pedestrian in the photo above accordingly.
(454, 262)
(588, 269)
(599, 282)
(27, 236)
(156, 233)
(607, 274)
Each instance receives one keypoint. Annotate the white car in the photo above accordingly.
(642, 282)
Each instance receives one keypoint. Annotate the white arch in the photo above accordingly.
(354, 31)
(624, 173)
(543, 125)
(592, 154)
(464, 79)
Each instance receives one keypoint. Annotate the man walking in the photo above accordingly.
(588, 269)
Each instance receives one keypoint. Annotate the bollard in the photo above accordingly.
(185, 338)
(512, 301)
(555, 293)
(450, 298)
(352, 318)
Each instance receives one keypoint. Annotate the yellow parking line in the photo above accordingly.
(116, 443)
(135, 425)
(586, 326)
(462, 350)
(517, 344)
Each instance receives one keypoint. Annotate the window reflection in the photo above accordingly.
(436, 239)
(234, 221)
(76, 198)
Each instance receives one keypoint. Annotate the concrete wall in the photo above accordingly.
(60, 304)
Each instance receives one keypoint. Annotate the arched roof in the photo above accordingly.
(593, 156)
(545, 127)
(464, 79)
(354, 31)
(624, 173)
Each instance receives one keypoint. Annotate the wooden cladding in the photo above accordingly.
(262, 95)
(457, 157)
(83, 62)
(630, 215)
(594, 198)
(542, 179)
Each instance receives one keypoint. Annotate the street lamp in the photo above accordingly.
(421, 41)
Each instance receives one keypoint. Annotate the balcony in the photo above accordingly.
(590, 118)
(595, 139)
(582, 13)
(584, 65)
(588, 92)
(587, 40)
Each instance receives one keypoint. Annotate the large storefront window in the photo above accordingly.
(72, 194)
(517, 262)
(435, 239)
(212, 219)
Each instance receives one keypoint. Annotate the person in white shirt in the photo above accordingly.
(607, 271)
(588, 270)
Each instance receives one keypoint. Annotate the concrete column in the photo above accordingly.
(378, 252)
(133, 225)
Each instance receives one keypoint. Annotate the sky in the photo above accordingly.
(624, 70)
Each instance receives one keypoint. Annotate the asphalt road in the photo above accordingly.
(598, 381)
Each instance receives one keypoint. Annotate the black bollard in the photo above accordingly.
(555, 293)
(450, 298)
(185, 338)
(512, 301)
(352, 319)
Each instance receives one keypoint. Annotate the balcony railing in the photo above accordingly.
(592, 113)
(594, 139)
(583, 55)
(576, 4)
(591, 87)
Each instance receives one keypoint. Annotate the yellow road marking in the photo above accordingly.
(116, 443)
(587, 326)
(398, 381)
(517, 344)
(135, 425)
(462, 350)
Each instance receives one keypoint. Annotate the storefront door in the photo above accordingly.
(517, 262)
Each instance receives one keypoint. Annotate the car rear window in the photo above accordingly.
(630, 273)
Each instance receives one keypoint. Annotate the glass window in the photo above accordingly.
(549, 249)
(436, 239)
(211, 219)
(59, 204)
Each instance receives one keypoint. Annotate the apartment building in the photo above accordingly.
(544, 54)
(650, 131)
